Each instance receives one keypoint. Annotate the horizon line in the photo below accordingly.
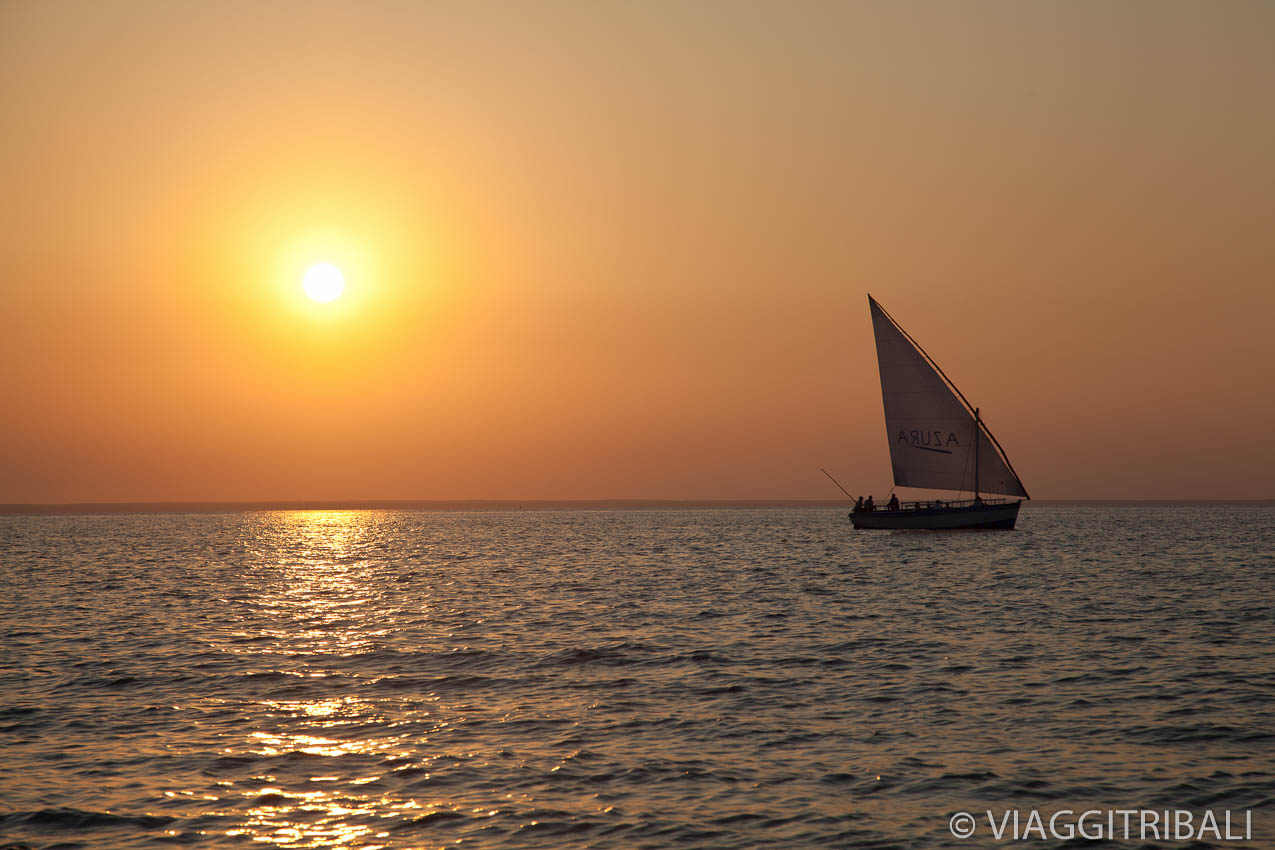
(462, 505)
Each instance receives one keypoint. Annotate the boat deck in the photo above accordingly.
(940, 514)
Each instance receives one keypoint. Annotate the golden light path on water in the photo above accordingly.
(324, 588)
(358, 723)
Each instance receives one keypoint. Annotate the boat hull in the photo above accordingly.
(965, 517)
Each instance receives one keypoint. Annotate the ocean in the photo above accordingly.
(631, 678)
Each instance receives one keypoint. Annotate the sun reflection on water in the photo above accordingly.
(318, 611)
(347, 710)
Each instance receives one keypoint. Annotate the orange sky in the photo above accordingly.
(621, 250)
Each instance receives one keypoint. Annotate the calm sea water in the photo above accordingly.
(614, 679)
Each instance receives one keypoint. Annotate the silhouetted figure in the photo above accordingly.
(868, 506)
(893, 504)
(858, 504)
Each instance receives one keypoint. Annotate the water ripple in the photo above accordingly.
(725, 679)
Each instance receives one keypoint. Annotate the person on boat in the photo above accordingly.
(868, 506)
(893, 504)
(858, 504)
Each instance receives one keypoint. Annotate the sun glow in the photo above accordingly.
(323, 282)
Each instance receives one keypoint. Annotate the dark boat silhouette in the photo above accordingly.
(938, 441)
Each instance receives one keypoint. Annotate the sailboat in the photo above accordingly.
(938, 441)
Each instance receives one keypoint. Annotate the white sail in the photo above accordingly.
(931, 431)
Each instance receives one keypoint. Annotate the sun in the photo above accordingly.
(323, 282)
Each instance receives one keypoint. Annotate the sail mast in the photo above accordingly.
(976, 442)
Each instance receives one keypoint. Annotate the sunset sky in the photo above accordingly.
(622, 250)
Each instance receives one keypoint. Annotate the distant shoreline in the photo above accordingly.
(475, 505)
